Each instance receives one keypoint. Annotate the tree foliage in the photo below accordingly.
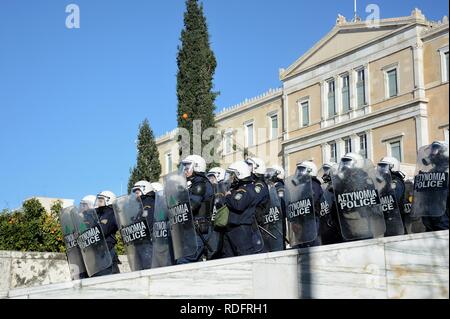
(32, 228)
(196, 68)
(147, 167)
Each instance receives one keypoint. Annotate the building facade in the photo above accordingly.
(373, 89)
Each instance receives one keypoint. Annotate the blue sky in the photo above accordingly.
(71, 100)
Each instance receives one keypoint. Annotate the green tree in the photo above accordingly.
(32, 228)
(196, 68)
(51, 229)
(148, 167)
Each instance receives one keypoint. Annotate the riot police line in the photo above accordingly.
(248, 209)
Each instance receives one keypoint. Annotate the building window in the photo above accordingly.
(392, 83)
(169, 163)
(444, 63)
(361, 88)
(348, 145)
(446, 135)
(396, 150)
(363, 145)
(274, 126)
(333, 152)
(331, 99)
(249, 136)
(228, 143)
(345, 93)
(304, 112)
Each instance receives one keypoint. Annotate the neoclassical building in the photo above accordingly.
(374, 89)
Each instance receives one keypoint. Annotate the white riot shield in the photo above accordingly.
(358, 201)
(73, 253)
(92, 242)
(300, 210)
(135, 231)
(161, 233)
(431, 181)
(389, 204)
(180, 215)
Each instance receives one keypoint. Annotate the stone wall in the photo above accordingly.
(30, 269)
(411, 266)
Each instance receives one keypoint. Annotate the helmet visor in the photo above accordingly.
(187, 168)
(212, 178)
(348, 162)
(435, 148)
(302, 170)
(384, 167)
(326, 170)
(101, 201)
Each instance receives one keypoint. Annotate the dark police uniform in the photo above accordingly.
(201, 196)
(216, 238)
(109, 228)
(262, 208)
(238, 237)
(411, 224)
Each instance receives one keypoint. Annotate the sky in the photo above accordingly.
(71, 100)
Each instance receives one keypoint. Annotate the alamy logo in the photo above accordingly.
(73, 19)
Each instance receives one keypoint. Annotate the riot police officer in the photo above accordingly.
(258, 169)
(109, 227)
(309, 168)
(275, 179)
(241, 202)
(358, 202)
(330, 231)
(201, 197)
(438, 159)
(86, 203)
(275, 176)
(216, 176)
(145, 191)
(411, 224)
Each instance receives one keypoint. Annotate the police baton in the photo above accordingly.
(285, 239)
(205, 242)
(267, 232)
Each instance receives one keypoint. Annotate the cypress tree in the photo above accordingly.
(147, 167)
(196, 68)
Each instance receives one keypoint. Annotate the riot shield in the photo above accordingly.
(358, 201)
(330, 232)
(135, 231)
(272, 224)
(161, 233)
(91, 241)
(389, 204)
(180, 215)
(74, 257)
(413, 224)
(431, 181)
(326, 202)
(300, 210)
